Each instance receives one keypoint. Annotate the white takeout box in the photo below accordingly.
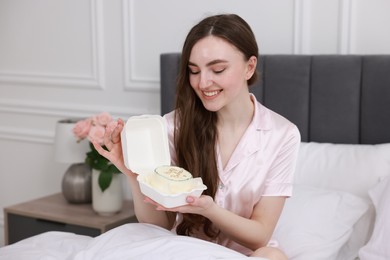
(145, 147)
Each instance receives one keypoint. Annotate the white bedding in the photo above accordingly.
(329, 217)
(130, 241)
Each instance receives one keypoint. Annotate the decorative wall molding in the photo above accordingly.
(345, 23)
(132, 81)
(47, 109)
(95, 80)
(301, 34)
(26, 135)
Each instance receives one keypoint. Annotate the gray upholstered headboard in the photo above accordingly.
(331, 98)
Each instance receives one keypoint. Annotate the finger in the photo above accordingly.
(158, 206)
(150, 201)
(107, 138)
(116, 133)
(120, 121)
(100, 149)
(190, 199)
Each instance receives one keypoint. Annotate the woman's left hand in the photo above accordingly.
(195, 205)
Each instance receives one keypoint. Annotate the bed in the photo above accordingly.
(341, 199)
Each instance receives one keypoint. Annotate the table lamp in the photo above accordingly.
(77, 180)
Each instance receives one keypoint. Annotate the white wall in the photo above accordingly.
(67, 58)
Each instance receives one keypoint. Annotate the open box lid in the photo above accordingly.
(145, 143)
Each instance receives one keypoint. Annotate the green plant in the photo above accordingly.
(94, 128)
(100, 163)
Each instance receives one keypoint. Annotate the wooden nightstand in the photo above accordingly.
(54, 213)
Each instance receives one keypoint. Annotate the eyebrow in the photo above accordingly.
(213, 62)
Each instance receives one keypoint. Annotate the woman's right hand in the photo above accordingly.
(112, 141)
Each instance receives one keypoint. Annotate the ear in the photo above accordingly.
(251, 67)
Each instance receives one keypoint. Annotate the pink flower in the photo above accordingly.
(97, 134)
(112, 125)
(82, 128)
(94, 127)
(103, 119)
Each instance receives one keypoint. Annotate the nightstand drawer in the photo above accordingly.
(21, 227)
(54, 213)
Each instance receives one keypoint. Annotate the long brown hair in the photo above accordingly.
(196, 131)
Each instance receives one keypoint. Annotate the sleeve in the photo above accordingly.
(170, 118)
(279, 181)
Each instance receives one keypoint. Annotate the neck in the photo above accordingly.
(237, 115)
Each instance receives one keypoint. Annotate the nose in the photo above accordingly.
(205, 80)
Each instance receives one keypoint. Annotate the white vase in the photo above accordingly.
(110, 201)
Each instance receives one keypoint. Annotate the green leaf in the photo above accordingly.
(104, 180)
(100, 163)
(112, 168)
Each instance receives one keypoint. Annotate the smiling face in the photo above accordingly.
(219, 73)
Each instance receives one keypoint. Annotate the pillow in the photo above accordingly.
(315, 223)
(362, 231)
(353, 168)
(377, 247)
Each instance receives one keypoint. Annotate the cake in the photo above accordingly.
(173, 173)
(171, 179)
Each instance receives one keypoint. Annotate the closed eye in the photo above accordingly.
(193, 69)
(219, 71)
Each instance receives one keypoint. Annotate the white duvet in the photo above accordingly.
(130, 241)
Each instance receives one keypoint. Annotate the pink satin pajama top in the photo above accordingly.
(262, 164)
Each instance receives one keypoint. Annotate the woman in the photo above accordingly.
(244, 152)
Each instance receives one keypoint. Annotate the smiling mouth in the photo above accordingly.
(211, 93)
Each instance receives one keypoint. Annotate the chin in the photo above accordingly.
(211, 107)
